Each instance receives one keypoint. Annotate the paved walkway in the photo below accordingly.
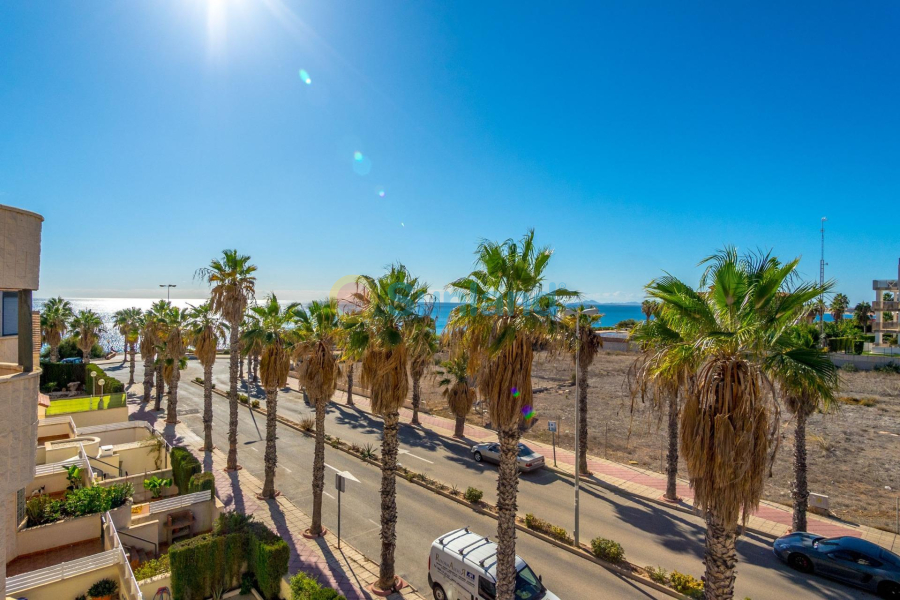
(769, 519)
(345, 569)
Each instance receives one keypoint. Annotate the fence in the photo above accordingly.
(180, 501)
(111, 539)
(62, 571)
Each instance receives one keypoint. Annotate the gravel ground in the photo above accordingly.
(853, 450)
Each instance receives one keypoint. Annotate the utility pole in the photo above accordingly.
(822, 284)
(168, 287)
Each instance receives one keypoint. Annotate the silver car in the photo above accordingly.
(528, 459)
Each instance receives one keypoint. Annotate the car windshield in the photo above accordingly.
(528, 586)
(524, 450)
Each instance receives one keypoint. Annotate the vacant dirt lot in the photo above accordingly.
(853, 451)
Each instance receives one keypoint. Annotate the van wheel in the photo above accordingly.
(477, 457)
(439, 593)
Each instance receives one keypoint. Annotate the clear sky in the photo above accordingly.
(636, 137)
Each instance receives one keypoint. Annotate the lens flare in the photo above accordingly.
(361, 163)
(381, 193)
(402, 224)
(358, 156)
(304, 77)
(515, 392)
(528, 412)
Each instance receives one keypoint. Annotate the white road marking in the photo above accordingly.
(254, 449)
(286, 469)
(327, 494)
(373, 522)
(332, 468)
(402, 451)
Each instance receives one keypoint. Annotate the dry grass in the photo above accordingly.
(852, 401)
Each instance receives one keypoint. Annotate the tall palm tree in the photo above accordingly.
(177, 328)
(422, 343)
(86, 328)
(388, 304)
(649, 308)
(839, 305)
(585, 344)
(738, 324)
(318, 330)
(206, 329)
(805, 390)
(155, 328)
(506, 311)
(233, 287)
(272, 330)
(55, 317)
(148, 336)
(862, 314)
(457, 390)
(127, 322)
(349, 354)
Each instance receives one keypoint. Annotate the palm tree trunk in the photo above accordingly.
(160, 384)
(148, 378)
(86, 356)
(207, 407)
(131, 366)
(318, 482)
(389, 446)
(233, 361)
(507, 492)
(256, 369)
(720, 559)
(271, 456)
(416, 398)
(54, 353)
(672, 454)
(800, 489)
(241, 369)
(582, 419)
(460, 429)
(172, 404)
(350, 385)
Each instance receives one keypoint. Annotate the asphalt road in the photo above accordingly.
(651, 534)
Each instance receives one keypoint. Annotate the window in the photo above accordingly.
(486, 589)
(9, 314)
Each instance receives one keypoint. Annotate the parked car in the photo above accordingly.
(461, 565)
(73, 360)
(848, 559)
(528, 459)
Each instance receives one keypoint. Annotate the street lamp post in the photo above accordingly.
(93, 383)
(578, 312)
(168, 287)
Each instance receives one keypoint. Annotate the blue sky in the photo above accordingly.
(635, 137)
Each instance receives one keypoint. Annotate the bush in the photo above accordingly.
(658, 574)
(304, 587)
(156, 485)
(202, 481)
(78, 503)
(626, 324)
(104, 587)
(607, 550)
(243, 398)
(850, 368)
(254, 403)
(41, 509)
(113, 385)
(69, 349)
(473, 495)
(308, 424)
(268, 559)
(686, 584)
(61, 374)
(557, 533)
(248, 582)
(890, 367)
(152, 568)
(184, 466)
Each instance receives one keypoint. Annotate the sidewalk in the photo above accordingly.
(345, 570)
(770, 519)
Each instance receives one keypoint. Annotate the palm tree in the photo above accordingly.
(862, 314)
(839, 305)
(55, 317)
(233, 287)
(589, 343)
(318, 331)
(422, 343)
(206, 329)
(388, 305)
(506, 312)
(739, 328)
(177, 326)
(805, 390)
(148, 327)
(349, 354)
(127, 322)
(86, 328)
(458, 392)
(155, 329)
(649, 308)
(272, 331)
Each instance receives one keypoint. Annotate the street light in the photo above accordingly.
(101, 382)
(93, 383)
(168, 286)
(579, 311)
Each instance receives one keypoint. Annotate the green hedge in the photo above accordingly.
(184, 466)
(69, 349)
(216, 561)
(202, 481)
(61, 374)
(112, 386)
(304, 587)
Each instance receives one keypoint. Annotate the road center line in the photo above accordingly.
(408, 453)
(327, 494)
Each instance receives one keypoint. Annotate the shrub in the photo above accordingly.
(369, 452)
(91, 500)
(254, 403)
(104, 587)
(69, 349)
(61, 374)
(41, 509)
(247, 583)
(890, 367)
(850, 368)
(607, 550)
(112, 386)
(686, 584)
(658, 574)
(156, 485)
(303, 587)
(152, 568)
(473, 495)
(243, 398)
(308, 424)
(268, 559)
(184, 466)
(202, 481)
(557, 533)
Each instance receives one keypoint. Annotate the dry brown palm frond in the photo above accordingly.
(505, 379)
(318, 369)
(460, 397)
(205, 346)
(274, 365)
(384, 373)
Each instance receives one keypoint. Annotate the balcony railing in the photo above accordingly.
(892, 306)
(48, 575)
(130, 590)
(885, 326)
(884, 284)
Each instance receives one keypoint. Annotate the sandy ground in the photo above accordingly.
(853, 450)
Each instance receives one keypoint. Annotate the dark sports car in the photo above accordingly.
(846, 559)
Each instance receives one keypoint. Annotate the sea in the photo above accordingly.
(111, 339)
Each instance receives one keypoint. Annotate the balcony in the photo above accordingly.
(890, 326)
(891, 306)
(884, 284)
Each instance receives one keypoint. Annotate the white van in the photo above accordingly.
(463, 566)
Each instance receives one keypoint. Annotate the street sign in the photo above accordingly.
(340, 484)
(551, 425)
